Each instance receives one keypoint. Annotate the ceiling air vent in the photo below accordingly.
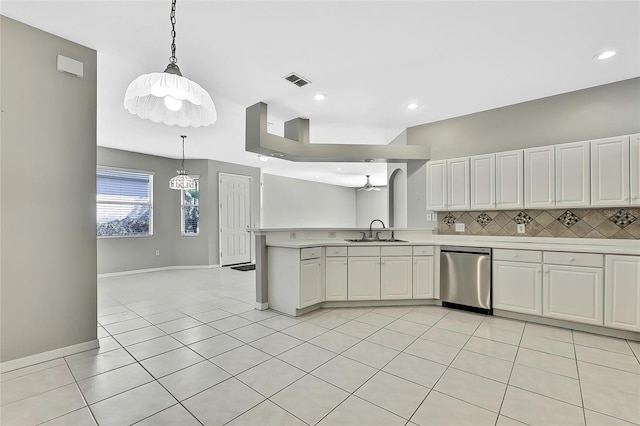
(297, 80)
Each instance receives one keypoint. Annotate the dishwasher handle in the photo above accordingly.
(461, 249)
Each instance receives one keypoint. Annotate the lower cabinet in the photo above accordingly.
(423, 277)
(363, 278)
(622, 293)
(573, 293)
(336, 278)
(311, 283)
(396, 277)
(517, 287)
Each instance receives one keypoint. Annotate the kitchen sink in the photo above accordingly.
(374, 240)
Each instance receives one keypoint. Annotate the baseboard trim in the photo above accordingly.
(163, 268)
(262, 306)
(30, 360)
(587, 328)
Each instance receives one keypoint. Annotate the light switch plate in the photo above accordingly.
(521, 229)
(460, 227)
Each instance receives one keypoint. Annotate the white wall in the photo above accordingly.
(372, 205)
(291, 203)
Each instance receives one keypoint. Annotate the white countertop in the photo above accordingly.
(608, 246)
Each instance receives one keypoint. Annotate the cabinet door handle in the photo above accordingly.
(516, 255)
(571, 259)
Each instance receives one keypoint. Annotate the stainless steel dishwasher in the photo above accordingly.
(465, 278)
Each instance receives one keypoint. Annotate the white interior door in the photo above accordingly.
(234, 196)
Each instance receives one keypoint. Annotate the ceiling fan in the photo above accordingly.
(368, 186)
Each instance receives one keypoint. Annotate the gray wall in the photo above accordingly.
(290, 203)
(372, 205)
(132, 253)
(47, 179)
(598, 112)
(416, 196)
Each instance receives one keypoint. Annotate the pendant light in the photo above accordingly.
(182, 180)
(168, 97)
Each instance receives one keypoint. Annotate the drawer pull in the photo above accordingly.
(572, 259)
(516, 255)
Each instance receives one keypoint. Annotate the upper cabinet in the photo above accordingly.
(635, 169)
(483, 182)
(597, 173)
(539, 177)
(458, 184)
(610, 171)
(437, 185)
(509, 180)
(448, 184)
(572, 174)
(557, 175)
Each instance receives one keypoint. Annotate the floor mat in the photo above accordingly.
(244, 267)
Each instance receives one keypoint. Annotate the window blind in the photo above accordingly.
(124, 203)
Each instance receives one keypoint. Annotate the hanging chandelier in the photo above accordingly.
(168, 97)
(182, 180)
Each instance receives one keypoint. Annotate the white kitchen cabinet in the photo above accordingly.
(311, 283)
(363, 278)
(573, 293)
(517, 287)
(335, 278)
(483, 182)
(458, 184)
(423, 277)
(396, 277)
(539, 177)
(610, 172)
(436, 185)
(635, 169)
(622, 293)
(573, 174)
(509, 179)
(295, 278)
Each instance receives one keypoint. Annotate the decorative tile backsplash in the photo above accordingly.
(566, 223)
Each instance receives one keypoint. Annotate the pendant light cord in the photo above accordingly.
(172, 58)
(183, 137)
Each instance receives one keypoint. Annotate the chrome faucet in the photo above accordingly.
(371, 225)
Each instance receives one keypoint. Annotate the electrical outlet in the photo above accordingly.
(429, 217)
(521, 228)
(460, 227)
(293, 235)
(332, 234)
(157, 252)
(434, 217)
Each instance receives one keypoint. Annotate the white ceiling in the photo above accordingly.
(371, 58)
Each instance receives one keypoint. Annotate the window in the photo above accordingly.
(124, 203)
(190, 208)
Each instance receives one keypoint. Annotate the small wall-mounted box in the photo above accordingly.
(460, 227)
(70, 66)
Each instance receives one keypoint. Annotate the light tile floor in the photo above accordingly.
(187, 348)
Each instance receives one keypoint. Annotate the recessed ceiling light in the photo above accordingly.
(412, 106)
(339, 168)
(263, 157)
(605, 55)
(320, 97)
